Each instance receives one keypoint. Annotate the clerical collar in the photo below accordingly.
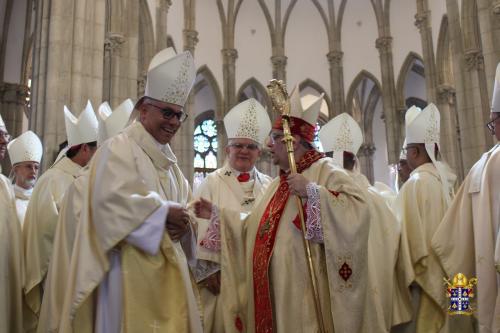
(23, 191)
(237, 173)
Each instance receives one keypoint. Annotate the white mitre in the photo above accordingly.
(340, 134)
(410, 115)
(495, 101)
(248, 120)
(82, 129)
(310, 113)
(170, 76)
(25, 148)
(111, 122)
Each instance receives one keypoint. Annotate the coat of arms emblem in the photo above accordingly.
(460, 292)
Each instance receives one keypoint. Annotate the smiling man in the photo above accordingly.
(129, 269)
(237, 184)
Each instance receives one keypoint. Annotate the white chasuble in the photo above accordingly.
(467, 241)
(38, 232)
(270, 283)
(223, 189)
(22, 199)
(132, 182)
(11, 261)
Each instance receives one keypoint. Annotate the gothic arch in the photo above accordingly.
(355, 84)
(444, 63)
(209, 78)
(258, 91)
(315, 86)
(146, 47)
(403, 73)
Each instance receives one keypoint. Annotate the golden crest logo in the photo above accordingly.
(460, 292)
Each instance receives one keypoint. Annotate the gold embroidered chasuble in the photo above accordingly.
(38, 232)
(340, 261)
(136, 178)
(11, 261)
(467, 239)
(222, 188)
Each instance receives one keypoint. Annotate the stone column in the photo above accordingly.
(384, 46)
(13, 106)
(336, 82)
(112, 45)
(67, 65)
(162, 7)
(279, 67)
(365, 157)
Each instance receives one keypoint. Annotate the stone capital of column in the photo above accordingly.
(474, 59)
(164, 5)
(335, 57)
(191, 38)
(421, 19)
(230, 54)
(446, 94)
(14, 93)
(495, 8)
(367, 149)
(114, 41)
(384, 44)
(279, 60)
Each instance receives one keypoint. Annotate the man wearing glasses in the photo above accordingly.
(236, 185)
(135, 238)
(468, 239)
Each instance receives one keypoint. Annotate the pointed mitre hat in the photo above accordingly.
(111, 122)
(410, 115)
(340, 134)
(82, 129)
(248, 120)
(24, 148)
(302, 120)
(495, 102)
(170, 76)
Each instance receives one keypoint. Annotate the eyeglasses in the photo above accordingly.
(274, 137)
(491, 125)
(241, 146)
(169, 113)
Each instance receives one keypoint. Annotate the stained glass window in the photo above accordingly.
(205, 150)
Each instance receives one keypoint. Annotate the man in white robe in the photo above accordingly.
(11, 265)
(263, 257)
(237, 185)
(45, 203)
(25, 154)
(343, 136)
(467, 240)
(129, 267)
(402, 167)
(420, 206)
(110, 124)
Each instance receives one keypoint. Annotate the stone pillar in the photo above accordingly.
(13, 105)
(384, 46)
(112, 45)
(336, 82)
(229, 57)
(279, 67)
(67, 65)
(365, 157)
(162, 7)
(450, 140)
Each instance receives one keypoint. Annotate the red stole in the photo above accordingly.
(264, 243)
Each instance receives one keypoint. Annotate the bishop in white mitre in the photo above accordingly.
(343, 136)
(468, 239)
(25, 154)
(45, 203)
(11, 251)
(238, 184)
(130, 264)
(111, 122)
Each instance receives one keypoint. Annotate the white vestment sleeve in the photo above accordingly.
(148, 236)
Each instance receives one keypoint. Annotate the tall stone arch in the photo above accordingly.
(309, 83)
(146, 48)
(407, 66)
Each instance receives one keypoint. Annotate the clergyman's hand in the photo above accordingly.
(297, 184)
(203, 208)
(212, 283)
(177, 221)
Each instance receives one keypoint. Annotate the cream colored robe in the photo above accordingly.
(383, 243)
(420, 206)
(467, 238)
(22, 199)
(344, 219)
(130, 179)
(223, 189)
(57, 276)
(11, 261)
(39, 230)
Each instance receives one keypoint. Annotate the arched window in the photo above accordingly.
(205, 150)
